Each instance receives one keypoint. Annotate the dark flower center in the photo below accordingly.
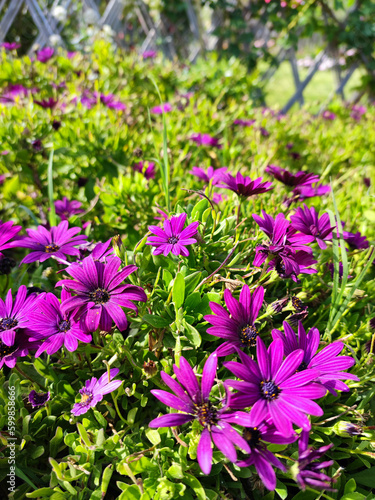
(269, 389)
(64, 326)
(252, 436)
(6, 265)
(280, 267)
(51, 248)
(8, 324)
(206, 414)
(297, 304)
(173, 240)
(314, 230)
(248, 336)
(6, 350)
(302, 367)
(100, 296)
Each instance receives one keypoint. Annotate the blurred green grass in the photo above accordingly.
(281, 86)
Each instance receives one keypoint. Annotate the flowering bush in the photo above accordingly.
(177, 315)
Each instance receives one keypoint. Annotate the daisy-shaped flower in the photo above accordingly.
(66, 208)
(15, 315)
(260, 456)
(307, 221)
(100, 294)
(289, 179)
(205, 140)
(94, 390)
(274, 389)
(237, 325)
(45, 54)
(209, 174)
(310, 191)
(7, 232)
(59, 242)
(55, 328)
(326, 362)
(244, 186)
(193, 399)
(173, 238)
(21, 347)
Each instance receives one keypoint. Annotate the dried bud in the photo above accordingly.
(138, 152)
(279, 305)
(150, 368)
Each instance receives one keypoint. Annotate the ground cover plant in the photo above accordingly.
(187, 284)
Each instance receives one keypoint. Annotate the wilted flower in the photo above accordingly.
(192, 398)
(45, 54)
(94, 390)
(237, 325)
(38, 398)
(290, 179)
(173, 238)
(331, 269)
(244, 186)
(66, 208)
(307, 221)
(205, 140)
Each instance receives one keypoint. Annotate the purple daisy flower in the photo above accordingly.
(308, 472)
(110, 101)
(101, 252)
(38, 398)
(55, 328)
(237, 325)
(328, 115)
(209, 174)
(58, 242)
(244, 186)
(264, 132)
(355, 240)
(289, 179)
(45, 54)
(205, 140)
(289, 264)
(94, 390)
(193, 399)
(21, 347)
(49, 103)
(357, 112)
(11, 46)
(244, 123)
(173, 238)
(149, 54)
(66, 208)
(274, 389)
(307, 221)
(260, 456)
(148, 169)
(163, 108)
(100, 295)
(7, 232)
(15, 315)
(331, 269)
(303, 192)
(326, 362)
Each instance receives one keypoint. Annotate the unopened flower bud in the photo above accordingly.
(150, 368)
(347, 429)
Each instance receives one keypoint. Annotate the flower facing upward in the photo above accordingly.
(173, 238)
(205, 140)
(289, 179)
(49, 103)
(209, 174)
(192, 398)
(45, 54)
(15, 316)
(58, 242)
(244, 186)
(38, 398)
(53, 327)
(100, 295)
(308, 472)
(94, 390)
(326, 362)
(66, 208)
(7, 232)
(237, 325)
(307, 221)
(274, 389)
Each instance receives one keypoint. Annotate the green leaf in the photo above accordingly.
(195, 485)
(156, 321)
(178, 291)
(153, 435)
(350, 486)
(52, 214)
(192, 334)
(366, 477)
(55, 442)
(281, 490)
(40, 493)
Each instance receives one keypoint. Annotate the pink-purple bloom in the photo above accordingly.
(327, 362)
(310, 191)
(244, 123)
(110, 101)
(244, 186)
(209, 174)
(94, 390)
(328, 115)
(274, 389)
(37, 399)
(49, 103)
(307, 221)
(45, 54)
(58, 242)
(237, 325)
(66, 208)
(100, 294)
(192, 397)
(205, 140)
(149, 54)
(11, 46)
(357, 112)
(355, 240)
(148, 169)
(289, 179)
(163, 108)
(173, 238)
(7, 232)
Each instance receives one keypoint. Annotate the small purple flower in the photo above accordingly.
(100, 296)
(14, 316)
(55, 328)
(45, 54)
(289, 179)
(303, 192)
(244, 186)
(357, 112)
(355, 240)
(110, 101)
(20, 349)
(260, 456)
(218, 198)
(264, 132)
(94, 390)
(49, 103)
(237, 325)
(331, 269)
(307, 221)
(209, 174)
(163, 108)
(11, 46)
(37, 145)
(39, 398)
(244, 123)
(173, 238)
(149, 54)
(193, 399)
(274, 389)
(205, 140)
(13, 91)
(59, 242)
(66, 208)
(7, 232)
(308, 472)
(328, 115)
(71, 54)
(148, 169)
(326, 362)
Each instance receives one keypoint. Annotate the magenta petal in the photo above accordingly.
(204, 452)
(171, 420)
(208, 376)
(172, 401)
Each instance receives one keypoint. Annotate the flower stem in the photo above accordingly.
(28, 378)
